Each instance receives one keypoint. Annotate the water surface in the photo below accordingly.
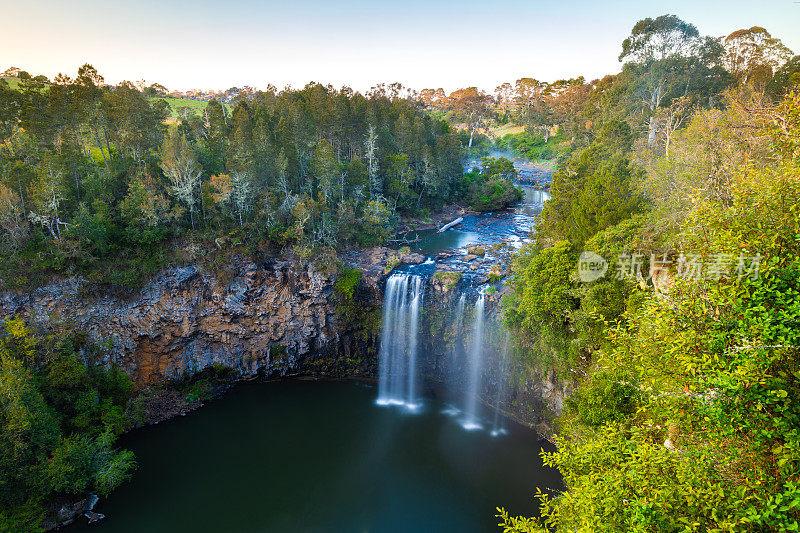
(321, 456)
(513, 224)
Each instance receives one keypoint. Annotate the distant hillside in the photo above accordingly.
(11, 81)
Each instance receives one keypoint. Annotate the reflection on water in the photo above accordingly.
(321, 456)
(431, 242)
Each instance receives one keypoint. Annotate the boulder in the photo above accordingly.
(413, 259)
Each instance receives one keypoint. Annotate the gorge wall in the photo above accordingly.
(275, 318)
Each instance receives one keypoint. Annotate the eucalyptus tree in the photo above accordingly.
(48, 194)
(565, 102)
(471, 107)
(669, 58)
(752, 55)
(504, 94)
(375, 180)
(182, 170)
(242, 191)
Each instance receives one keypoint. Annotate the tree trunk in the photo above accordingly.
(651, 136)
(108, 143)
(202, 205)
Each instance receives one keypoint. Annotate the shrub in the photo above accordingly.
(58, 422)
(448, 279)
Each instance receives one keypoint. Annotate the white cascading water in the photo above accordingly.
(417, 295)
(459, 318)
(498, 426)
(397, 359)
(475, 364)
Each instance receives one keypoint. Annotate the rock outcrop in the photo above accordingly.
(274, 317)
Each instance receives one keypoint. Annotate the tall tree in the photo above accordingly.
(181, 168)
(471, 107)
(669, 58)
(752, 55)
(370, 148)
(241, 193)
(48, 193)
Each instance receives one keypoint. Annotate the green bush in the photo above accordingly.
(448, 279)
(58, 422)
(604, 397)
(347, 281)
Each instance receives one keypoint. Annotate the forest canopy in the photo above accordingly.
(93, 174)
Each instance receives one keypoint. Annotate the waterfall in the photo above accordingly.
(397, 359)
(475, 364)
(498, 426)
(459, 319)
(417, 293)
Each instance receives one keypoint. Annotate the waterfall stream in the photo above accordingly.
(498, 426)
(475, 364)
(397, 360)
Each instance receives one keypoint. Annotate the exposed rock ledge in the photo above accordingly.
(276, 317)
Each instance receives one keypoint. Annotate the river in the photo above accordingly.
(513, 225)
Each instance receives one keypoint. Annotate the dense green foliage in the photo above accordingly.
(594, 189)
(58, 423)
(685, 355)
(532, 145)
(492, 187)
(94, 181)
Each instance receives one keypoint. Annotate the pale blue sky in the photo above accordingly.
(449, 44)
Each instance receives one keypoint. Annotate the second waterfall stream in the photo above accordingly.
(475, 365)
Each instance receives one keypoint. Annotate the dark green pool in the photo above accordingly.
(321, 456)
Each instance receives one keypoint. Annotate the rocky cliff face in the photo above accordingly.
(277, 317)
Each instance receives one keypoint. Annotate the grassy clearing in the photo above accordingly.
(177, 105)
(506, 129)
(13, 83)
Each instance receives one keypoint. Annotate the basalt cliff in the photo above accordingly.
(277, 316)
